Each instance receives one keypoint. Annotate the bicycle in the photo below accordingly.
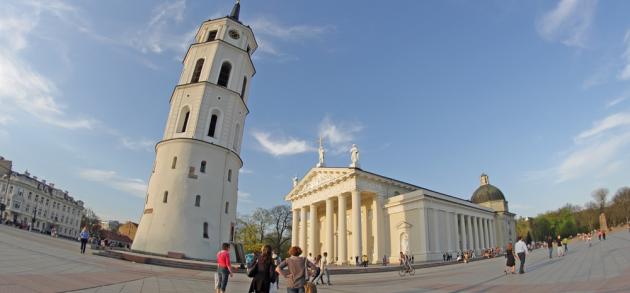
(406, 269)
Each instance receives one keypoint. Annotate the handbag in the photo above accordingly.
(309, 287)
(253, 270)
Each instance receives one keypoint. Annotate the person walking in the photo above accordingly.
(297, 270)
(550, 245)
(565, 243)
(224, 268)
(276, 261)
(317, 262)
(510, 263)
(84, 236)
(559, 244)
(263, 272)
(521, 252)
(323, 269)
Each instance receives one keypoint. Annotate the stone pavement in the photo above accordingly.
(31, 262)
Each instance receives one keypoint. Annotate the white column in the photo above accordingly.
(475, 233)
(471, 239)
(379, 228)
(493, 241)
(303, 229)
(356, 224)
(449, 231)
(462, 230)
(342, 230)
(329, 229)
(455, 227)
(436, 233)
(313, 231)
(294, 227)
(487, 234)
(480, 234)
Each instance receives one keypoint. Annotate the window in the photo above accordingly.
(202, 169)
(174, 164)
(212, 35)
(205, 230)
(230, 175)
(197, 71)
(183, 119)
(248, 49)
(146, 199)
(165, 199)
(224, 74)
(213, 125)
(227, 206)
(197, 200)
(244, 87)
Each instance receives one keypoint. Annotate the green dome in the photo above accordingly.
(485, 193)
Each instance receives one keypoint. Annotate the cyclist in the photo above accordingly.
(404, 261)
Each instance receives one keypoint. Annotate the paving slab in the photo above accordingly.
(32, 262)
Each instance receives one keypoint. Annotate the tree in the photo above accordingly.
(261, 219)
(247, 234)
(280, 236)
(90, 220)
(600, 195)
(621, 203)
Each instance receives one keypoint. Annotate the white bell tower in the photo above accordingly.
(190, 205)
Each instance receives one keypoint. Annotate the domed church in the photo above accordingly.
(350, 212)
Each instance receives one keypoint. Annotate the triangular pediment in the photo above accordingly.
(318, 177)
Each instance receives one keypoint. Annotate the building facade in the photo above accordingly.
(191, 200)
(128, 229)
(35, 204)
(349, 212)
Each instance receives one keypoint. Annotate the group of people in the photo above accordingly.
(513, 253)
(267, 266)
(562, 245)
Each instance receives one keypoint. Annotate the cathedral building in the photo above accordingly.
(190, 206)
(350, 212)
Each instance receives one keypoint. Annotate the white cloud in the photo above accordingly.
(5, 119)
(592, 158)
(339, 136)
(616, 101)
(245, 171)
(132, 186)
(608, 123)
(245, 197)
(21, 87)
(137, 144)
(597, 150)
(569, 22)
(625, 73)
(270, 34)
(282, 146)
(158, 35)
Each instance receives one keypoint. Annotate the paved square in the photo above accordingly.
(31, 262)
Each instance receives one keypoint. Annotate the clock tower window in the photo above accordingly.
(197, 71)
(224, 74)
(212, 35)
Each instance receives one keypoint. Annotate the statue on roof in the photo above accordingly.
(321, 152)
(354, 156)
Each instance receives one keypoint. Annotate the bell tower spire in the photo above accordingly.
(236, 10)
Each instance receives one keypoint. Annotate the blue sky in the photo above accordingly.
(534, 93)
